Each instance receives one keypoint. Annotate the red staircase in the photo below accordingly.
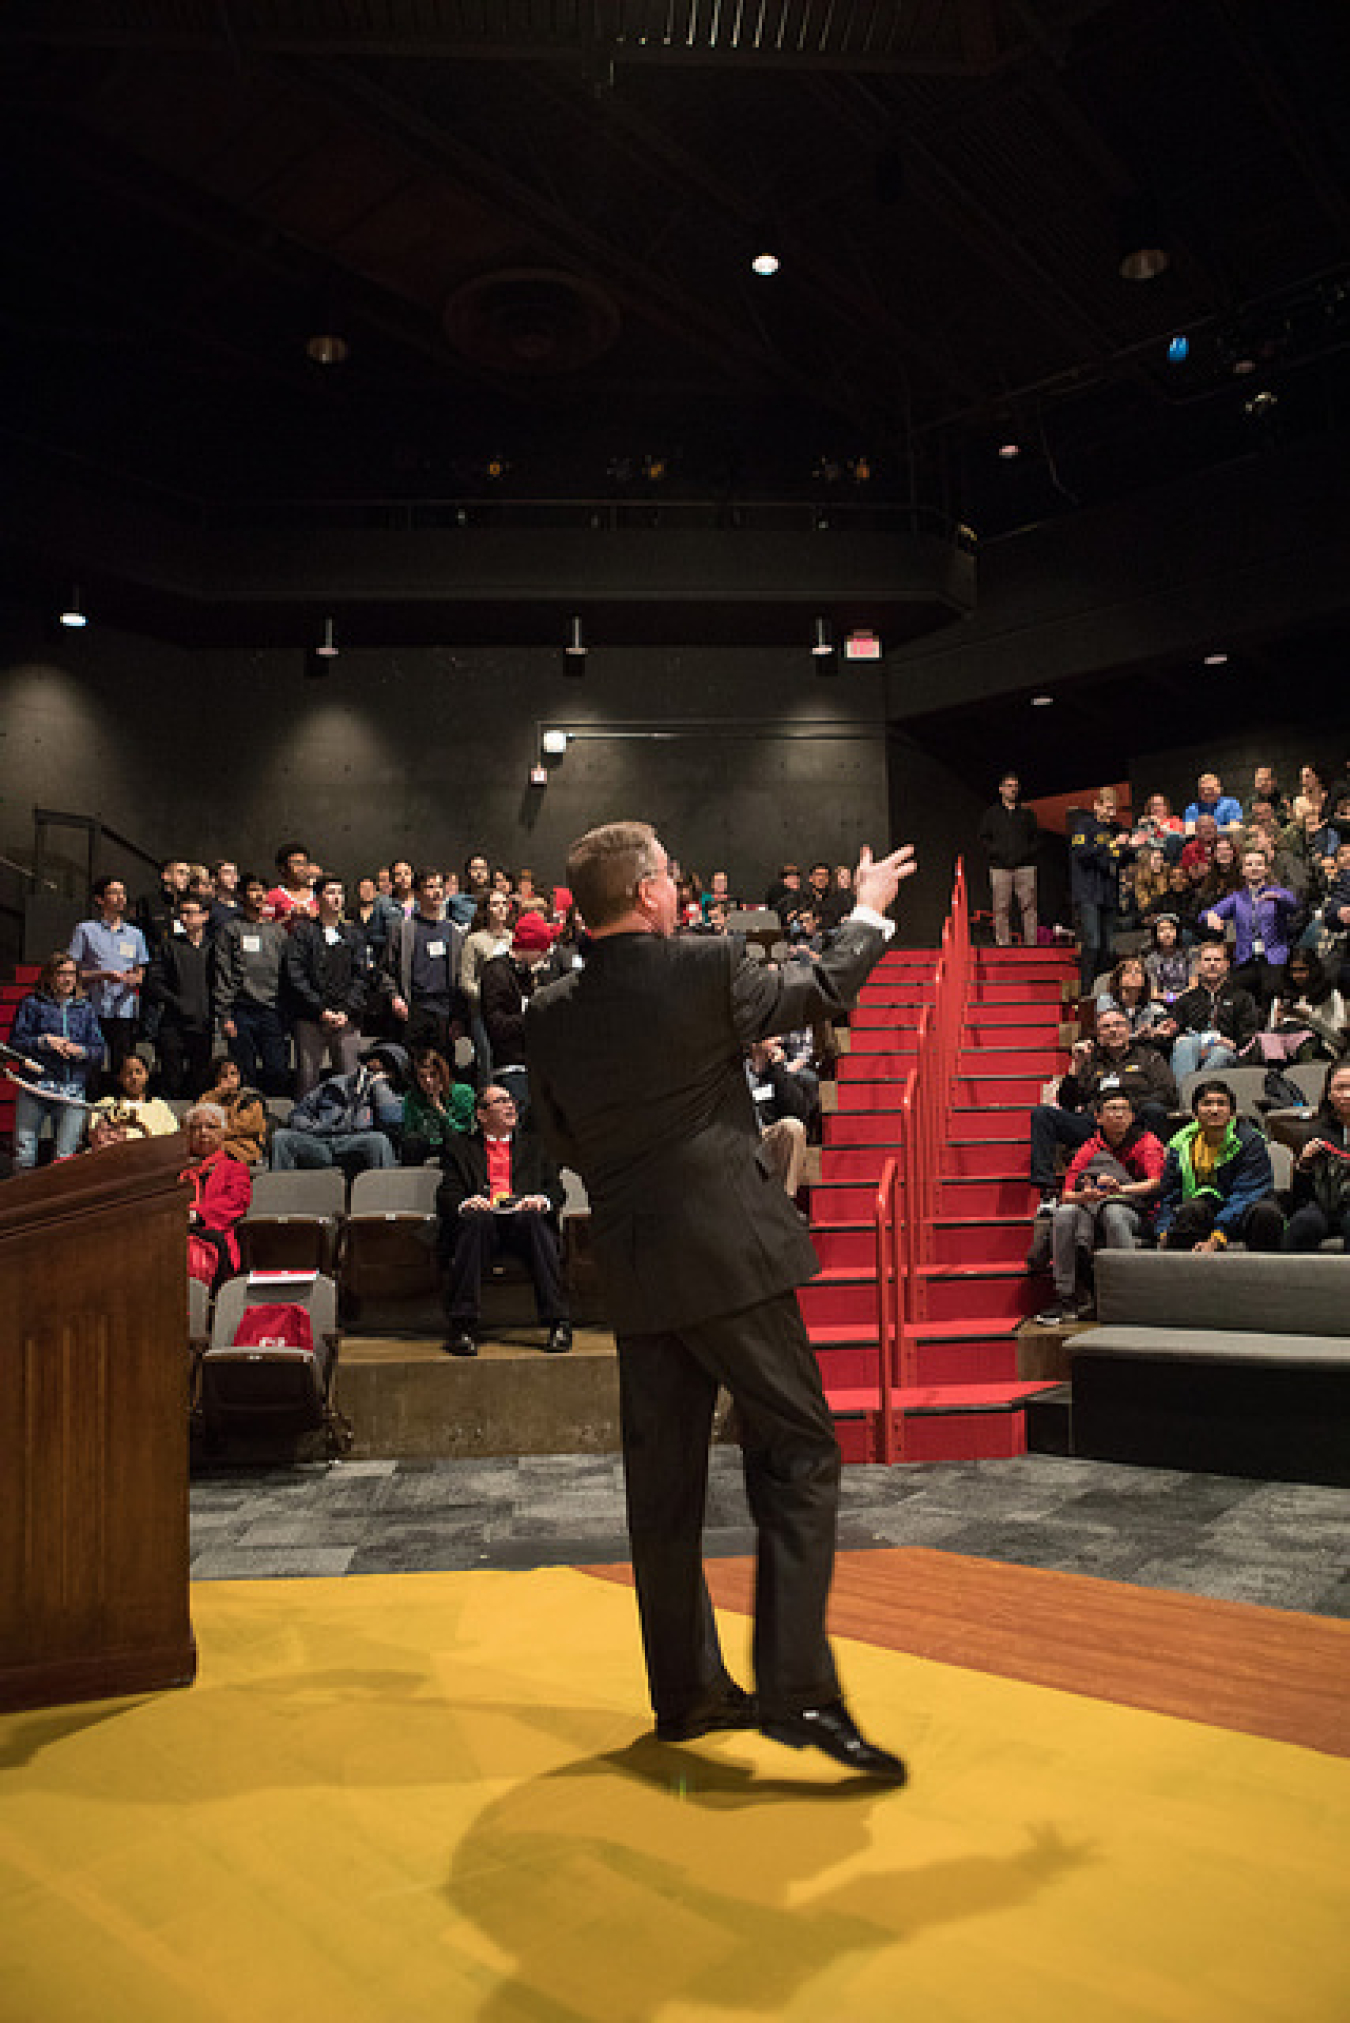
(954, 1392)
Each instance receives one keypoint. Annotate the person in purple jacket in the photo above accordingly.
(1261, 914)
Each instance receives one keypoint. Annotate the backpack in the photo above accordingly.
(1282, 1092)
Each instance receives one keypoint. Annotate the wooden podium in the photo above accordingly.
(94, 1428)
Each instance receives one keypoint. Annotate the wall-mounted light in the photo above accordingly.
(554, 743)
(823, 644)
(72, 611)
(538, 776)
(327, 648)
(574, 653)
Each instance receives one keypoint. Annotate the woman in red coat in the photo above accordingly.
(221, 1192)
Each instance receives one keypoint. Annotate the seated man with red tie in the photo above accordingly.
(501, 1191)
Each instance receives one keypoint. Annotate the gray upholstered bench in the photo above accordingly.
(1235, 1365)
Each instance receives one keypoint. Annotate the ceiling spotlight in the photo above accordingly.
(1041, 701)
(1216, 660)
(72, 611)
(824, 640)
(765, 264)
(327, 348)
(327, 647)
(1009, 448)
(574, 653)
(554, 743)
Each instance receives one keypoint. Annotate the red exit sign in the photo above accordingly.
(862, 646)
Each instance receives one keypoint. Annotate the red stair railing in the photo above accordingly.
(906, 1200)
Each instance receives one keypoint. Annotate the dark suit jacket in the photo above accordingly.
(466, 1174)
(637, 1081)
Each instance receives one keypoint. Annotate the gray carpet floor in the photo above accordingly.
(1282, 1545)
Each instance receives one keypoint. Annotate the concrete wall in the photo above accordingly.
(743, 758)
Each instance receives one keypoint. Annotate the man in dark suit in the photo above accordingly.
(637, 1071)
(501, 1191)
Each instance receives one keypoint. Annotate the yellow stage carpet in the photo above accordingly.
(422, 1796)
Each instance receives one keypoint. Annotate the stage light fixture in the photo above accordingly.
(765, 264)
(824, 640)
(72, 611)
(554, 743)
(1216, 659)
(1041, 701)
(327, 648)
(574, 653)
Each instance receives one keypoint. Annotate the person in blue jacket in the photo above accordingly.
(1218, 1186)
(1098, 846)
(60, 1043)
(1210, 799)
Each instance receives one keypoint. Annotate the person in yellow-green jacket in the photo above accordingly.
(1218, 1186)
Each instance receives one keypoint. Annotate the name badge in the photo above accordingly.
(331, 935)
(126, 949)
(435, 948)
(179, 928)
(251, 944)
(1258, 946)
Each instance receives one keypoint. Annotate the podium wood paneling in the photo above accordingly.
(93, 1428)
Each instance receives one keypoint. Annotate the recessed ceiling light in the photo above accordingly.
(1041, 701)
(766, 264)
(1216, 660)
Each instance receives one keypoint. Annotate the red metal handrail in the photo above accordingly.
(904, 1235)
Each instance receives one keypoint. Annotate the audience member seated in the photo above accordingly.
(1217, 1186)
(178, 991)
(222, 1082)
(508, 983)
(1320, 1194)
(1313, 842)
(422, 964)
(247, 992)
(1151, 884)
(718, 893)
(1109, 1191)
(1264, 832)
(1199, 848)
(1112, 1063)
(247, 1128)
(1160, 827)
(326, 973)
(292, 897)
(1214, 1021)
(112, 1127)
(786, 1097)
(1178, 901)
(111, 956)
(829, 905)
(352, 1121)
(501, 1191)
(1261, 914)
(1131, 992)
(55, 1051)
(435, 1109)
(785, 896)
(1167, 964)
(221, 1193)
(1335, 915)
(131, 1099)
(1309, 1017)
(1266, 788)
(1210, 799)
(1223, 876)
(1098, 846)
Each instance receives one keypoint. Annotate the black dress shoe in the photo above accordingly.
(559, 1338)
(735, 1709)
(461, 1343)
(832, 1729)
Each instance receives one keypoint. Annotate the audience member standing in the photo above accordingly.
(1009, 834)
(292, 897)
(327, 976)
(247, 993)
(1261, 913)
(423, 964)
(57, 1035)
(1097, 848)
(178, 989)
(111, 956)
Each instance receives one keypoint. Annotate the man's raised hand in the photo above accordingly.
(877, 880)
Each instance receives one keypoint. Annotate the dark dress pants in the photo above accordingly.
(184, 1059)
(478, 1241)
(1051, 1126)
(667, 1390)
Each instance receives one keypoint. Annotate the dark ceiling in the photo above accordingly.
(531, 222)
